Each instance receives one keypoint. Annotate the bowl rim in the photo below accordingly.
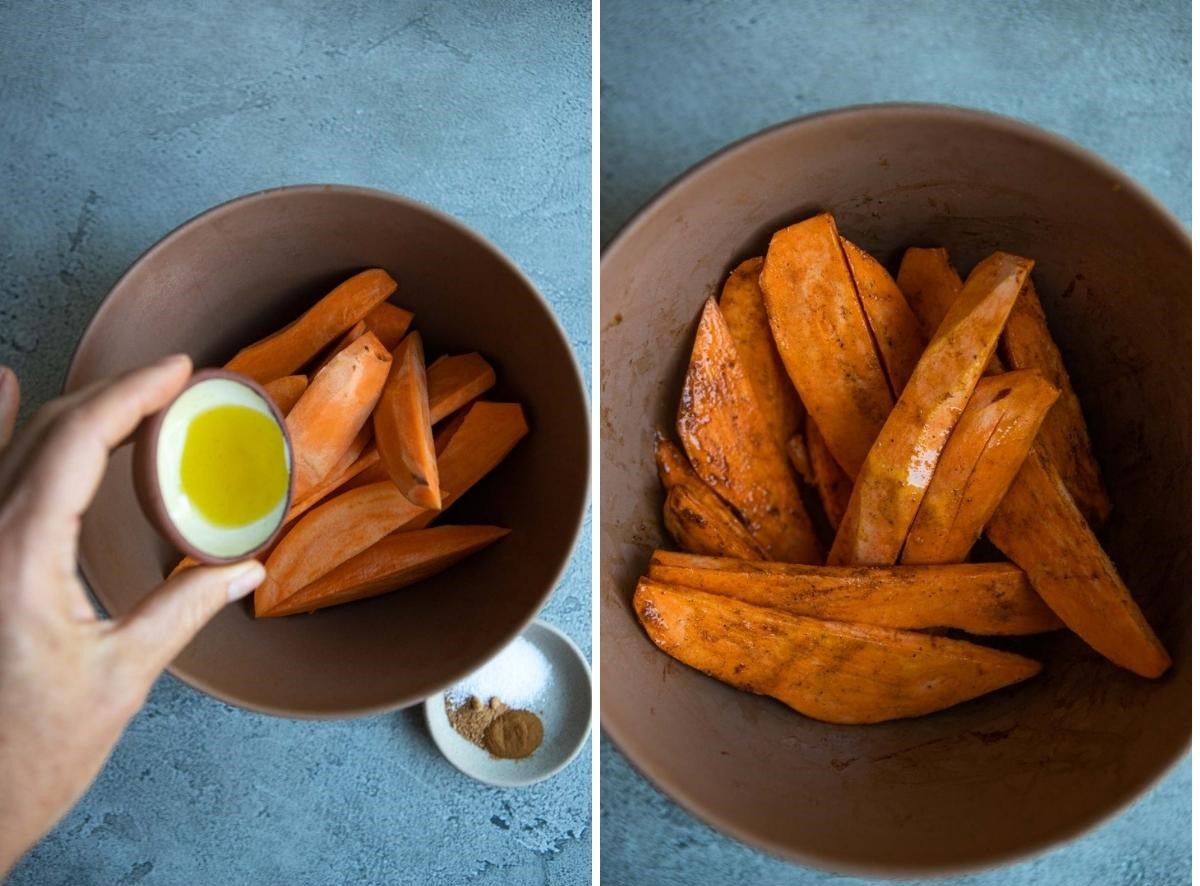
(434, 706)
(623, 738)
(282, 191)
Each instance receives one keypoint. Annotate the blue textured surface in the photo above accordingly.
(122, 120)
(679, 81)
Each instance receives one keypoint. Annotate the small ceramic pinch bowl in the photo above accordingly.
(565, 710)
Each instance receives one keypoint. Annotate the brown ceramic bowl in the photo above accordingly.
(1018, 770)
(245, 268)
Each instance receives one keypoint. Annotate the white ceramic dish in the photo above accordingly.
(565, 710)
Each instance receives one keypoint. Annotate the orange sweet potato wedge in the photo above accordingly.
(746, 316)
(982, 598)
(349, 523)
(358, 458)
(733, 450)
(293, 346)
(398, 560)
(1027, 344)
(333, 409)
(336, 348)
(454, 382)
(986, 449)
(833, 486)
(797, 453)
(404, 429)
(889, 488)
(389, 323)
(694, 515)
(1039, 527)
(284, 392)
(893, 324)
(834, 671)
(824, 339)
(930, 285)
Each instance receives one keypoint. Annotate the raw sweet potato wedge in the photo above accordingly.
(400, 559)
(823, 337)
(336, 348)
(333, 409)
(1027, 344)
(404, 426)
(833, 486)
(746, 316)
(389, 323)
(930, 285)
(889, 488)
(893, 325)
(834, 671)
(1039, 527)
(454, 382)
(694, 515)
(986, 449)
(732, 448)
(293, 346)
(982, 598)
(284, 392)
(349, 523)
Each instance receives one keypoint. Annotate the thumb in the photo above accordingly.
(167, 620)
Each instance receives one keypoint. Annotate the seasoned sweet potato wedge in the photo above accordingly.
(732, 448)
(930, 285)
(986, 449)
(694, 515)
(833, 486)
(746, 316)
(824, 339)
(400, 559)
(983, 598)
(895, 328)
(797, 453)
(1027, 344)
(889, 488)
(1039, 527)
(833, 671)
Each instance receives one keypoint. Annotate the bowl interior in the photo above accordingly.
(1016, 770)
(241, 271)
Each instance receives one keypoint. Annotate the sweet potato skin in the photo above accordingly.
(285, 351)
(1039, 527)
(889, 488)
(396, 561)
(893, 325)
(731, 447)
(823, 338)
(984, 453)
(981, 598)
(832, 671)
(1027, 343)
(694, 515)
(746, 316)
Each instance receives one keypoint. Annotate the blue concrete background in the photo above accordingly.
(123, 119)
(680, 80)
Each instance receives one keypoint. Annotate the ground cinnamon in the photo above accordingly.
(498, 729)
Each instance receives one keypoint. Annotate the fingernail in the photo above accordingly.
(173, 360)
(246, 579)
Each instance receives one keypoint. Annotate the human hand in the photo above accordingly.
(69, 681)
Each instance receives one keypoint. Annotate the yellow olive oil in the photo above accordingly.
(234, 468)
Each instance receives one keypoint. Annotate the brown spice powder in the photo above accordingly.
(495, 727)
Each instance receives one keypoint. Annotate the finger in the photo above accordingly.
(65, 470)
(167, 620)
(10, 402)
